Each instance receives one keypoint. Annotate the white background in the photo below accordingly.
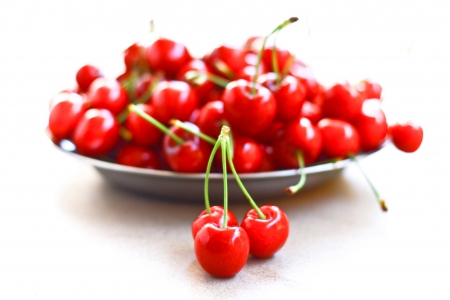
(65, 234)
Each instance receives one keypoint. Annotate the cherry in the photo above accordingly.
(289, 95)
(145, 86)
(97, 132)
(215, 216)
(134, 57)
(86, 75)
(168, 56)
(247, 154)
(341, 101)
(406, 136)
(246, 112)
(371, 125)
(305, 76)
(67, 109)
(283, 57)
(369, 89)
(311, 111)
(210, 117)
(189, 156)
(268, 161)
(108, 94)
(174, 100)
(226, 60)
(137, 156)
(143, 133)
(266, 236)
(339, 138)
(221, 252)
(270, 134)
(206, 89)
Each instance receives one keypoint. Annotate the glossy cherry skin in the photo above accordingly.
(97, 132)
(304, 136)
(222, 252)
(341, 101)
(289, 95)
(206, 89)
(406, 136)
(210, 118)
(311, 111)
(143, 132)
(108, 94)
(173, 100)
(369, 89)
(86, 75)
(67, 110)
(246, 113)
(191, 156)
(137, 156)
(168, 56)
(215, 217)
(339, 137)
(371, 125)
(247, 154)
(144, 84)
(283, 58)
(249, 70)
(306, 78)
(269, 235)
(135, 58)
(226, 60)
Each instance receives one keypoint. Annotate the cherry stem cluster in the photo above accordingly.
(375, 191)
(295, 188)
(156, 123)
(258, 63)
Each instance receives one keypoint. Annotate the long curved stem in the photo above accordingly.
(223, 145)
(195, 75)
(208, 170)
(183, 126)
(275, 60)
(372, 186)
(295, 188)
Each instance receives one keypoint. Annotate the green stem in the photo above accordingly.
(295, 188)
(122, 116)
(239, 182)
(159, 125)
(375, 191)
(275, 60)
(258, 62)
(223, 145)
(208, 170)
(201, 135)
(192, 76)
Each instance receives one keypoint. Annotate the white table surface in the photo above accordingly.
(66, 234)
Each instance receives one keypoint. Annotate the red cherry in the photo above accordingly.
(134, 57)
(206, 89)
(289, 95)
(249, 70)
(269, 235)
(108, 94)
(189, 157)
(283, 58)
(304, 136)
(311, 111)
(168, 56)
(371, 125)
(406, 136)
(247, 154)
(214, 217)
(174, 100)
(369, 89)
(143, 133)
(96, 133)
(226, 60)
(306, 78)
(144, 86)
(270, 134)
(268, 161)
(339, 137)
(210, 118)
(247, 113)
(86, 75)
(137, 156)
(67, 109)
(341, 102)
(221, 252)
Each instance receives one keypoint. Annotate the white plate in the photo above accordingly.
(190, 187)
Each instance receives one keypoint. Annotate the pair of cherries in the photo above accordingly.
(221, 245)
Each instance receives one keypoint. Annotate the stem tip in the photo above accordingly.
(383, 206)
(293, 19)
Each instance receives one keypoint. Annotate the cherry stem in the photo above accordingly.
(295, 188)
(223, 145)
(239, 182)
(154, 122)
(275, 60)
(208, 170)
(201, 135)
(199, 77)
(258, 62)
(375, 191)
(122, 116)
(125, 133)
